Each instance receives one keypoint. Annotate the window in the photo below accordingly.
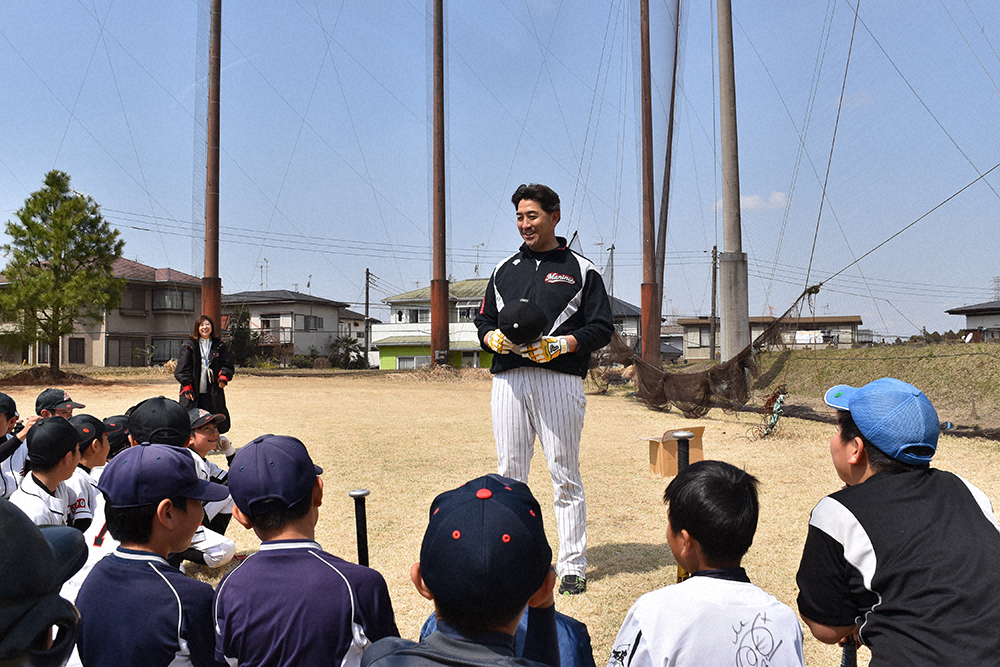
(165, 349)
(411, 363)
(272, 321)
(705, 335)
(418, 315)
(43, 352)
(76, 354)
(173, 299)
(134, 300)
(312, 323)
(467, 314)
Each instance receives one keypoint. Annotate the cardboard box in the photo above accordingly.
(663, 450)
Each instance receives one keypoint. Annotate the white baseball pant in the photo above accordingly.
(532, 401)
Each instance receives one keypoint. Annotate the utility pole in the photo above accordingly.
(650, 330)
(439, 283)
(368, 324)
(211, 283)
(714, 323)
(733, 261)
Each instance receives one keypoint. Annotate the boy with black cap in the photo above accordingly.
(93, 454)
(116, 429)
(55, 403)
(905, 556)
(338, 608)
(53, 453)
(136, 608)
(35, 562)
(13, 451)
(483, 560)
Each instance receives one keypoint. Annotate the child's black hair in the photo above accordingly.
(281, 514)
(716, 503)
(134, 525)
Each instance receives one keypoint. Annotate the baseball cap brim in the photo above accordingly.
(207, 419)
(205, 490)
(70, 552)
(839, 397)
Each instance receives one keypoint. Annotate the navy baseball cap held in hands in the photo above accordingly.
(893, 415)
(522, 321)
(145, 475)
(35, 563)
(485, 545)
(270, 473)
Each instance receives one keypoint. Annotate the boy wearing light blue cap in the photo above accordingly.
(906, 556)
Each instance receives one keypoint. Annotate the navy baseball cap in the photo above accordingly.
(49, 440)
(893, 415)
(270, 473)
(485, 545)
(522, 321)
(55, 399)
(159, 420)
(35, 565)
(145, 475)
(200, 417)
(7, 406)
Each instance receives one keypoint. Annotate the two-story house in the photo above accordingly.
(301, 322)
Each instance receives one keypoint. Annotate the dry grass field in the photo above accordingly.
(407, 437)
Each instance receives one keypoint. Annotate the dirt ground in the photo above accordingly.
(406, 438)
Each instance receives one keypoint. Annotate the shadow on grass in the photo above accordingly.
(606, 560)
(765, 380)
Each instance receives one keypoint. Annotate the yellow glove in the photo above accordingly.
(546, 349)
(499, 343)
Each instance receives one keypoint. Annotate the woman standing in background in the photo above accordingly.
(204, 369)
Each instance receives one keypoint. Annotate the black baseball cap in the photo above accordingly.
(116, 428)
(273, 472)
(35, 565)
(49, 440)
(485, 546)
(159, 420)
(7, 406)
(522, 321)
(55, 399)
(88, 427)
(200, 417)
(145, 475)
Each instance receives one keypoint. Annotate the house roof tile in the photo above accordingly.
(277, 296)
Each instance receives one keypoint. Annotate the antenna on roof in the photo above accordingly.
(309, 283)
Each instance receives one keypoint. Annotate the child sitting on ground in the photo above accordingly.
(291, 603)
(53, 452)
(716, 617)
(483, 560)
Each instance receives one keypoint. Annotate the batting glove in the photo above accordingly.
(499, 343)
(545, 350)
(225, 446)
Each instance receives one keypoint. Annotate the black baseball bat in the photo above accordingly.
(683, 439)
(361, 520)
(849, 655)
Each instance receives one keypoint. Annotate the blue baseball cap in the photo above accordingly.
(893, 415)
(147, 474)
(270, 473)
(485, 545)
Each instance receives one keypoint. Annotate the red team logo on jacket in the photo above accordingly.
(560, 278)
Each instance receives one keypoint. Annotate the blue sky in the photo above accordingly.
(325, 139)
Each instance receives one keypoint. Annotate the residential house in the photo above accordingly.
(353, 324)
(157, 312)
(982, 320)
(626, 317)
(671, 342)
(840, 332)
(405, 341)
(289, 322)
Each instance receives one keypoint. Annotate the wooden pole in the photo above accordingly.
(439, 284)
(211, 283)
(650, 312)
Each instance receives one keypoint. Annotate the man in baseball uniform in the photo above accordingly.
(544, 312)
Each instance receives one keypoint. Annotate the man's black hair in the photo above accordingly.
(543, 194)
(716, 503)
(472, 622)
(281, 515)
(877, 459)
(134, 525)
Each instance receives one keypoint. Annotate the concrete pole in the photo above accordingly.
(211, 283)
(733, 261)
(649, 301)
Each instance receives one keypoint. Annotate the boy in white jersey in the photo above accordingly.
(53, 453)
(716, 617)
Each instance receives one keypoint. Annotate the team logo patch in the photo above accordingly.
(560, 278)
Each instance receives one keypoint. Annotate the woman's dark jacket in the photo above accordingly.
(188, 373)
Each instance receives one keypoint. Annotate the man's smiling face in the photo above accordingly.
(537, 228)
